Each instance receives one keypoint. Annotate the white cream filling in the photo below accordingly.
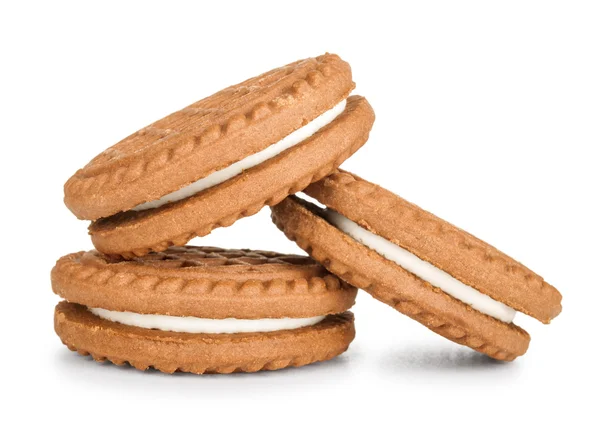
(197, 325)
(425, 270)
(217, 177)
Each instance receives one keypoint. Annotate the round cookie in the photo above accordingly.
(202, 309)
(221, 158)
(448, 280)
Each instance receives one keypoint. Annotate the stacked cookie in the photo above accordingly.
(145, 298)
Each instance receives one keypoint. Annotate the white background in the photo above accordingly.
(487, 115)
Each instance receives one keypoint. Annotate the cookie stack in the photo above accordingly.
(144, 298)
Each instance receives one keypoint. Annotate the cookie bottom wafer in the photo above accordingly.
(168, 352)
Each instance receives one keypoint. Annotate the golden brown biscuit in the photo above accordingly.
(503, 285)
(222, 158)
(202, 309)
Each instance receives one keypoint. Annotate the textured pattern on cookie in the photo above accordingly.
(203, 282)
(168, 352)
(393, 285)
(442, 244)
(207, 136)
(136, 233)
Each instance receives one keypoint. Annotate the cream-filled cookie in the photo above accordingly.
(443, 277)
(202, 309)
(221, 158)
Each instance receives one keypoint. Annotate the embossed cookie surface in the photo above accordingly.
(463, 257)
(187, 285)
(147, 169)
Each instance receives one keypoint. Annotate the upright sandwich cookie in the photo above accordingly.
(201, 309)
(448, 280)
(221, 158)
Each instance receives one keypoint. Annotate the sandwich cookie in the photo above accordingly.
(443, 277)
(221, 158)
(202, 309)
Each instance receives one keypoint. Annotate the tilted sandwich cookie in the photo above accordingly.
(202, 309)
(448, 280)
(221, 158)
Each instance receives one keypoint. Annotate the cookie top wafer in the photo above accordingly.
(203, 282)
(207, 136)
(460, 254)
